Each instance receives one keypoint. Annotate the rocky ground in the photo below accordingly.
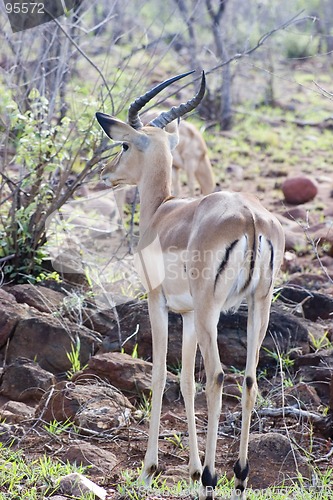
(89, 400)
(104, 407)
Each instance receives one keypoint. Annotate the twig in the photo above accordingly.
(324, 91)
(8, 257)
(40, 418)
(290, 411)
(132, 335)
(263, 39)
(248, 52)
(325, 457)
(89, 61)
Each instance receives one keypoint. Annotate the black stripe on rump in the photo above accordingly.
(252, 262)
(225, 261)
(271, 262)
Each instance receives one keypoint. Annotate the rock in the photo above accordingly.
(310, 281)
(272, 461)
(284, 332)
(100, 321)
(299, 189)
(76, 485)
(132, 376)
(294, 240)
(14, 412)
(314, 305)
(41, 298)
(10, 433)
(316, 369)
(295, 237)
(284, 328)
(298, 214)
(48, 340)
(92, 406)
(232, 387)
(322, 234)
(25, 380)
(303, 395)
(87, 454)
(11, 313)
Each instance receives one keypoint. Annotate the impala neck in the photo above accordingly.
(154, 188)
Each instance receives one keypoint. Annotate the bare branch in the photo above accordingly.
(289, 411)
(325, 92)
(89, 61)
(262, 40)
(216, 16)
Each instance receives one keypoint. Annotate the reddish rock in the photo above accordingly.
(274, 454)
(302, 395)
(49, 340)
(14, 412)
(232, 387)
(287, 332)
(41, 298)
(11, 313)
(131, 376)
(314, 305)
(25, 380)
(295, 238)
(94, 406)
(77, 485)
(298, 214)
(90, 455)
(317, 369)
(299, 189)
(273, 461)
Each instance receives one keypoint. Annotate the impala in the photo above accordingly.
(198, 257)
(191, 155)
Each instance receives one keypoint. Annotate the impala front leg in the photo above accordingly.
(158, 315)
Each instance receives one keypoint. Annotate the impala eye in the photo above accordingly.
(125, 146)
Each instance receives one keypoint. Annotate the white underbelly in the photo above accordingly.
(179, 303)
(176, 287)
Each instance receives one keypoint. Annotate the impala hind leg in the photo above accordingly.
(158, 315)
(206, 326)
(187, 386)
(258, 317)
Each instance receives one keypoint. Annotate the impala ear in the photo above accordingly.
(172, 129)
(115, 129)
(120, 131)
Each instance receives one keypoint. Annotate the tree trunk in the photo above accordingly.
(188, 20)
(225, 113)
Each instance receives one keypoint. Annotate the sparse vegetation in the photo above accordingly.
(74, 358)
(52, 84)
(31, 479)
(320, 489)
(56, 428)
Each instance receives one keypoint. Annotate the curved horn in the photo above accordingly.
(133, 112)
(176, 112)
